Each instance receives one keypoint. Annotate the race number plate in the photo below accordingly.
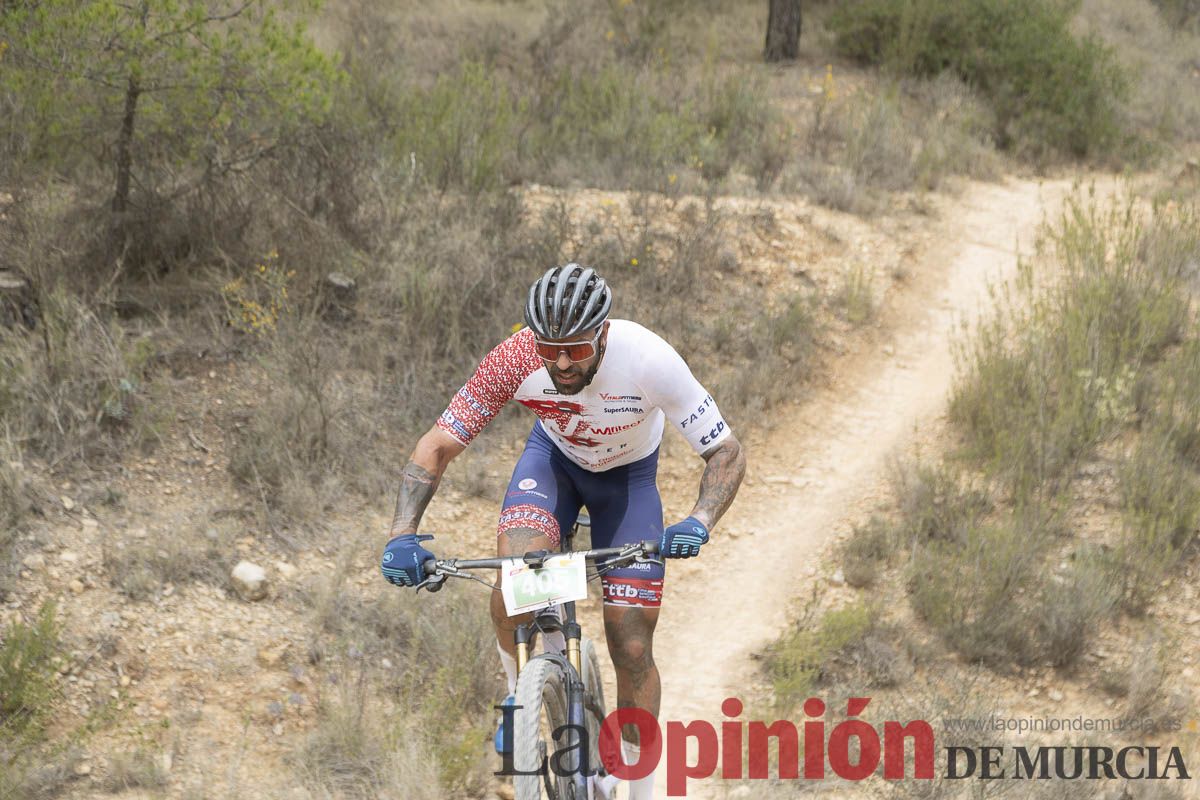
(561, 580)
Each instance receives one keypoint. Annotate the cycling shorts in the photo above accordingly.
(548, 489)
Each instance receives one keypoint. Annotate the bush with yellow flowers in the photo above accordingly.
(254, 302)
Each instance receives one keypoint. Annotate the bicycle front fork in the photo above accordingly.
(548, 621)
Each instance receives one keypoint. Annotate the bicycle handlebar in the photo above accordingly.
(449, 566)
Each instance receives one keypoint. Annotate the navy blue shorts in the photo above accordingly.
(548, 489)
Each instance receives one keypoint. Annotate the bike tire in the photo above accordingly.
(593, 682)
(541, 707)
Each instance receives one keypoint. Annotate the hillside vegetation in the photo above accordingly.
(332, 202)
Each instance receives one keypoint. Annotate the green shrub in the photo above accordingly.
(619, 119)
(881, 145)
(27, 673)
(856, 294)
(936, 503)
(867, 549)
(797, 660)
(461, 132)
(912, 134)
(1175, 401)
(1068, 608)
(1163, 105)
(1054, 370)
(970, 592)
(619, 125)
(1049, 90)
(1161, 500)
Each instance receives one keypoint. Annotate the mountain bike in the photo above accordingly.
(555, 722)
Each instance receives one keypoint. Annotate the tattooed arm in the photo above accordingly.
(722, 477)
(421, 476)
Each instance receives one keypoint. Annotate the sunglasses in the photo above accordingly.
(576, 351)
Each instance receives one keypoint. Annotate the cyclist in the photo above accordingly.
(601, 389)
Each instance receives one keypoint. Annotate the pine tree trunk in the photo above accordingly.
(125, 147)
(783, 31)
(133, 91)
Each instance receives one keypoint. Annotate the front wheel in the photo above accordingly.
(593, 685)
(541, 709)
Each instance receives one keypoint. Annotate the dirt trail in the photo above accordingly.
(826, 463)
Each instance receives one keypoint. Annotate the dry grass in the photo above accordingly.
(139, 769)
(447, 706)
(1164, 110)
(867, 551)
(75, 385)
(902, 136)
(142, 567)
(359, 750)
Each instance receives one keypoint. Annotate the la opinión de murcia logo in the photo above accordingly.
(740, 749)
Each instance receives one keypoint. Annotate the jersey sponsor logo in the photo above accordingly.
(712, 435)
(633, 592)
(527, 493)
(612, 430)
(553, 406)
(609, 398)
(527, 484)
(455, 425)
(581, 440)
(549, 391)
(559, 411)
(474, 404)
(527, 515)
(611, 458)
(698, 413)
(624, 410)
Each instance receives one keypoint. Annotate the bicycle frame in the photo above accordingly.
(580, 701)
(573, 760)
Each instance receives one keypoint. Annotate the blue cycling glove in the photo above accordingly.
(683, 539)
(404, 559)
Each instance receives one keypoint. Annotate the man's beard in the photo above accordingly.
(575, 387)
(579, 386)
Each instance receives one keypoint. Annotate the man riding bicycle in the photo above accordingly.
(601, 390)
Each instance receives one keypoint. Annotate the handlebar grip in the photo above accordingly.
(651, 546)
(430, 566)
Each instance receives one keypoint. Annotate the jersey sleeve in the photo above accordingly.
(669, 383)
(494, 383)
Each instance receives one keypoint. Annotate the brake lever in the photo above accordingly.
(433, 583)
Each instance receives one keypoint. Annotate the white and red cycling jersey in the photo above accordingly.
(616, 419)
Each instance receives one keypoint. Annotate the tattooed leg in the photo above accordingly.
(630, 634)
(513, 542)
